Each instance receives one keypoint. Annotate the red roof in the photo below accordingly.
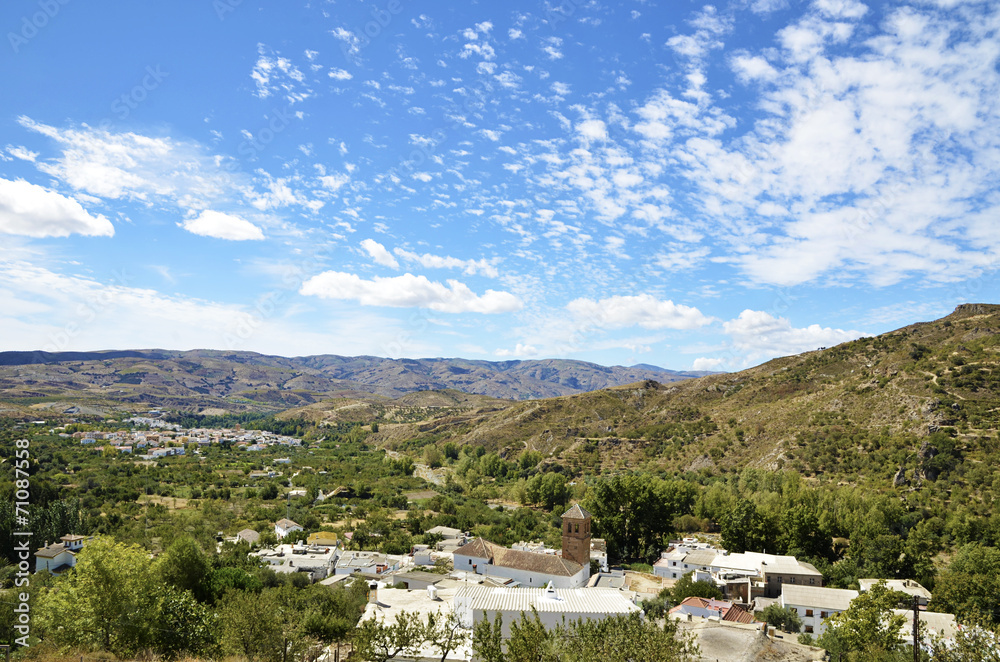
(726, 610)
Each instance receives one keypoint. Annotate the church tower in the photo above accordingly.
(576, 535)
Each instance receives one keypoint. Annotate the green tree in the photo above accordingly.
(686, 587)
(624, 639)
(249, 627)
(184, 566)
(627, 638)
(976, 641)
(108, 602)
(487, 639)
(971, 584)
(744, 529)
(378, 641)
(785, 618)
(530, 640)
(633, 513)
(867, 626)
(802, 535)
(183, 625)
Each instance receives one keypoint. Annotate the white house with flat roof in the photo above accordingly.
(473, 603)
(815, 604)
(908, 586)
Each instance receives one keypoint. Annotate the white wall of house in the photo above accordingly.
(524, 577)
(812, 618)
(64, 557)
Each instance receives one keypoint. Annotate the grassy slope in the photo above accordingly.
(873, 399)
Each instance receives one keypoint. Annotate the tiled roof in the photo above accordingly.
(286, 523)
(727, 610)
(477, 548)
(548, 564)
(576, 512)
(249, 535)
(52, 551)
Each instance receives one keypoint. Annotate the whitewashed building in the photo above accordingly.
(474, 603)
(815, 604)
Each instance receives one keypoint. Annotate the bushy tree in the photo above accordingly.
(686, 587)
(744, 529)
(633, 513)
(868, 625)
(184, 566)
(105, 602)
(785, 618)
(626, 638)
(976, 641)
(971, 584)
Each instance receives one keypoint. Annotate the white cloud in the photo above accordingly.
(758, 334)
(379, 253)
(643, 310)
(750, 68)
(469, 267)
(335, 181)
(273, 73)
(340, 74)
(40, 309)
(34, 211)
(682, 260)
(409, 291)
(222, 226)
(705, 363)
(22, 153)
(519, 350)
(592, 130)
(841, 8)
(141, 168)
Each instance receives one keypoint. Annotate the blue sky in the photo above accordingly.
(682, 184)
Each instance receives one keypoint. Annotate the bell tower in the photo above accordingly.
(576, 536)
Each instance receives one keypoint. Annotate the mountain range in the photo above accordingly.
(238, 381)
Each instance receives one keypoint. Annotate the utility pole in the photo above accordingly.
(916, 629)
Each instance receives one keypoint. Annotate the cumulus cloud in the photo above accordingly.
(34, 211)
(222, 226)
(592, 130)
(759, 334)
(706, 363)
(643, 310)
(379, 253)
(409, 291)
(753, 67)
